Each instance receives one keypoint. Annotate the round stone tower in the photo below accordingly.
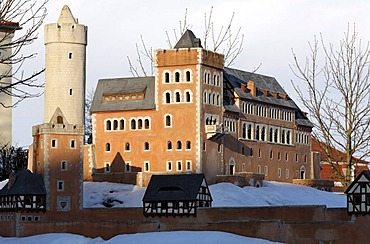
(65, 63)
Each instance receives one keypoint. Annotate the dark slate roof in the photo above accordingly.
(237, 77)
(188, 40)
(180, 187)
(366, 173)
(124, 86)
(26, 183)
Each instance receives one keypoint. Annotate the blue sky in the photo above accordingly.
(271, 28)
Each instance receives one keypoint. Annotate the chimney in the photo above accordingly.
(251, 86)
(243, 87)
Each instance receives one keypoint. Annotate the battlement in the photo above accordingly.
(50, 128)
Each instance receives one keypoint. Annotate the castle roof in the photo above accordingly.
(118, 89)
(268, 90)
(9, 25)
(188, 40)
(66, 16)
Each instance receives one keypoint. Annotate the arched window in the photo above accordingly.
(122, 124)
(146, 146)
(205, 78)
(177, 97)
(177, 76)
(115, 124)
(107, 147)
(218, 100)
(147, 123)
(59, 120)
(188, 145)
(127, 146)
(169, 145)
(214, 99)
(108, 125)
(208, 77)
(263, 133)
(257, 132)
(133, 124)
(178, 145)
(139, 124)
(167, 77)
(205, 97)
(168, 120)
(188, 76)
(168, 97)
(276, 136)
(271, 134)
(249, 133)
(288, 137)
(271, 154)
(188, 97)
(283, 136)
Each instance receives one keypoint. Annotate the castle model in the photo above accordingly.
(193, 116)
(194, 119)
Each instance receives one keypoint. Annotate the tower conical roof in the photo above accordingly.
(188, 40)
(66, 16)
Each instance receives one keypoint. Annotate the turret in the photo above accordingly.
(65, 63)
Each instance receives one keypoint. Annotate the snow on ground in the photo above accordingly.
(223, 194)
(178, 237)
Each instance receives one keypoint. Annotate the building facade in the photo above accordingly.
(7, 30)
(196, 116)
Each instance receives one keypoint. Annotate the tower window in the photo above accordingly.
(178, 98)
(169, 166)
(54, 143)
(179, 166)
(63, 165)
(108, 125)
(147, 124)
(167, 77)
(73, 144)
(70, 92)
(168, 97)
(122, 124)
(128, 167)
(133, 124)
(146, 166)
(168, 121)
(115, 124)
(188, 76)
(188, 165)
(70, 55)
(59, 120)
(60, 185)
(188, 145)
(188, 97)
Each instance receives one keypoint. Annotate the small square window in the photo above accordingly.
(63, 165)
(60, 185)
(36, 218)
(70, 55)
(23, 218)
(146, 166)
(29, 218)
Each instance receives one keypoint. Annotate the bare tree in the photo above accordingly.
(27, 17)
(12, 159)
(338, 98)
(224, 40)
(88, 119)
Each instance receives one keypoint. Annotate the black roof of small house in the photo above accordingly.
(365, 173)
(180, 187)
(26, 183)
(124, 86)
(262, 82)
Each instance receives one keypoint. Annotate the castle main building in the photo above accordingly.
(196, 116)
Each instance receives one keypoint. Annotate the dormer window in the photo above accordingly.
(59, 120)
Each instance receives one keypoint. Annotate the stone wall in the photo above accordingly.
(289, 224)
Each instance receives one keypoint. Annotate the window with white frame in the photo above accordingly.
(60, 185)
(188, 165)
(72, 144)
(167, 97)
(63, 165)
(168, 120)
(279, 173)
(266, 171)
(188, 75)
(179, 165)
(54, 143)
(169, 165)
(287, 173)
(146, 166)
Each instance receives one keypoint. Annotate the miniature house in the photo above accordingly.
(25, 191)
(176, 195)
(358, 194)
